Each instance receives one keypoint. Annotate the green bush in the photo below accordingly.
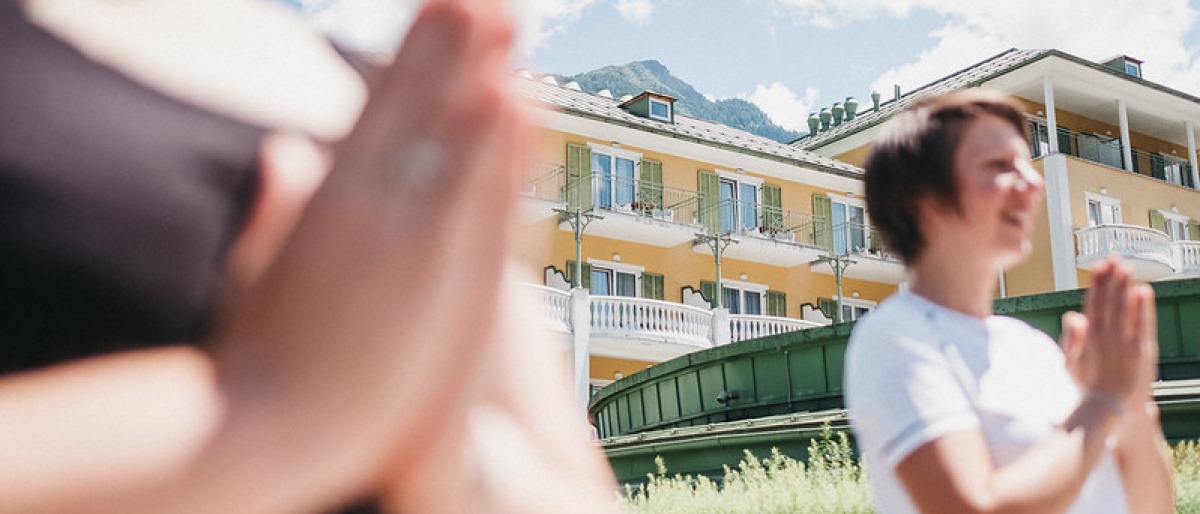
(833, 481)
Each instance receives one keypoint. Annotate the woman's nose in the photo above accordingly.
(1027, 177)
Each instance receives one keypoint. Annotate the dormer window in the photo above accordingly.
(660, 110)
(655, 106)
(1125, 64)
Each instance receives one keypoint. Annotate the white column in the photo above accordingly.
(581, 330)
(720, 327)
(1126, 148)
(1191, 140)
(1051, 120)
(1058, 211)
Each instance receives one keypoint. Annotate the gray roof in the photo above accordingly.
(976, 74)
(966, 77)
(588, 105)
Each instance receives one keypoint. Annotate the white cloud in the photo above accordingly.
(1093, 29)
(539, 20)
(378, 25)
(637, 12)
(782, 105)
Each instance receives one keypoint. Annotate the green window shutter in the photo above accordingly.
(578, 189)
(1157, 221)
(823, 221)
(586, 283)
(652, 286)
(772, 205)
(1194, 231)
(828, 307)
(777, 304)
(1186, 169)
(650, 186)
(710, 201)
(708, 289)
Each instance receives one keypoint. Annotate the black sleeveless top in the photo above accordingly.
(118, 204)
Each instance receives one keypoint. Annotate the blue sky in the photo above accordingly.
(794, 56)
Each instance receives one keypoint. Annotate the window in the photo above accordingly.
(852, 310)
(1103, 210)
(614, 177)
(615, 279)
(850, 232)
(1173, 224)
(743, 297)
(1133, 68)
(739, 202)
(660, 110)
(1171, 169)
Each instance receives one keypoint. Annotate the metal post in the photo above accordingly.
(839, 265)
(717, 244)
(579, 220)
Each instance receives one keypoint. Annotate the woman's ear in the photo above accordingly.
(291, 169)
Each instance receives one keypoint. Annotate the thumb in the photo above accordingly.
(1075, 326)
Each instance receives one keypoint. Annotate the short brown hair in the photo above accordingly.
(913, 157)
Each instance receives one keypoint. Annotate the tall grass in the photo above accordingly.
(833, 481)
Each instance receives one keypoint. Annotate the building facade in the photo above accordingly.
(1117, 151)
(664, 234)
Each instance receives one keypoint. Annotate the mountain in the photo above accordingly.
(635, 77)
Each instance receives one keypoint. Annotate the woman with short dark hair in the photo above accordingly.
(958, 410)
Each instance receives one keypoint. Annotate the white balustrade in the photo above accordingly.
(654, 319)
(748, 326)
(1095, 243)
(1187, 257)
(556, 307)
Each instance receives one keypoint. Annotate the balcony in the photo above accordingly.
(762, 234)
(542, 186)
(656, 330)
(862, 246)
(632, 210)
(1148, 252)
(1187, 258)
(1108, 151)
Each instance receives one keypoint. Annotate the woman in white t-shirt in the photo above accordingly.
(958, 410)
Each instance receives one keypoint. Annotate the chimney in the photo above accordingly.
(875, 99)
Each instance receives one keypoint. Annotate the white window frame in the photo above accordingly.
(850, 201)
(743, 288)
(1180, 222)
(1104, 201)
(618, 267)
(740, 179)
(1039, 151)
(855, 303)
(613, 153)
(650, 109)
(1134, 67)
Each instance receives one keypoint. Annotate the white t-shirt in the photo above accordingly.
(916, 371)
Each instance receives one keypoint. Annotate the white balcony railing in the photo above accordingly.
(1149, 253)
(556, 307)
(631, 319)
(1187, 257)
(619, 316)
(1128, 241)
(747, 326)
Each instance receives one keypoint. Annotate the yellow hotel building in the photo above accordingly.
(659, 202)
(666, 234)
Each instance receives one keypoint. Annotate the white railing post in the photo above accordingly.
(720, 327)
(581, 328)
